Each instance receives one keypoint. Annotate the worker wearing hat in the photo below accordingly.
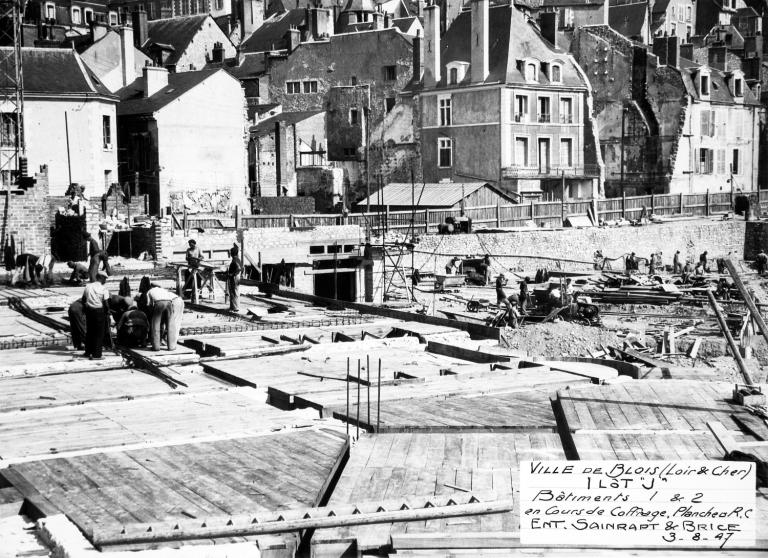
(234, 271)
(95, 299)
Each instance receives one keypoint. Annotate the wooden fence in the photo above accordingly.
(543, 214)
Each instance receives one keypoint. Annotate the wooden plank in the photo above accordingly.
(723, 436)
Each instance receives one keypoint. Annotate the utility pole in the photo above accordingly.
(623, 118)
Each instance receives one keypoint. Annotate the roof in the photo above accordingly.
(176, 32)
(404, 24)
(359, 6)
(57, 71)
(511, 39)
(628, 19)
(132, 100)
(719, 92)
(271, 34)
(268, 125)
(251, 65)
(104, 55)
(431, 194)
(567, 3)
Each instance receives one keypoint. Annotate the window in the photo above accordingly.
(738, 87)
(113, 18)
(721, 161)
(310, 86)
(544, 105)
(50, 11)
(530, 71)
(354, 80)
(704, 161)
(708, 123)
(735, 164)
(454, 76)
(88, 16)
(76, 17)
(7, 129)
(293, 87)
(521, 108)
(688, 13)
(688, 31)
(704, 86)
(106, 129)
(444, 153)
(446, 112)
(390, 73)
(566, 152)
(389, 104)
(354, 116)
(566, 110)
(350, 152)
(556, 73)
(219, 5)
(521, 152)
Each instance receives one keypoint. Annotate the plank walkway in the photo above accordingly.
(102, 494)
(391, 466)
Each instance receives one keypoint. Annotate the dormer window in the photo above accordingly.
(704, 85)
(457, 71)
(530, 71)
(738, 87)
(113, 18)
(556, 73)
(77, 18)
(88, 16)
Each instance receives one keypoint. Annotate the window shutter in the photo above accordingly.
(697, 161)
(704, 123)
(712, 122)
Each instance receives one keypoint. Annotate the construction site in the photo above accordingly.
(309, 425)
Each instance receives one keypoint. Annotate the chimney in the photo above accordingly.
(548, 26)
(668, 50)
(140, 32)
(322, 25)
(419, 8)
(98, 30)
(293, 39)
(217, 54)
(387, 20)
(378, 20)
(127, 54)
(431, 45)
(479, 45)
(717, 57)
(417, 57)
(253, 16)
(155, 78)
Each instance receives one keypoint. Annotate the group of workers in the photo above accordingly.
(154, 313)
(194, 257)
(687, 271)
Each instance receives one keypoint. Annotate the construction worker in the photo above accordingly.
(761, 262)
(165, 310)
(97, 256)
(132, 329)
(501, 296)
(652, 265)
(703, 261)
(79, 273)
(194, 255)
(95, 299)
(525, 297)
(630, 264)
(485, 268)
(233, 279)
(77, 326)
(677, 267)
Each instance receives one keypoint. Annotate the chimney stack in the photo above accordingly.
(321, 23)
(155, 78)
(479, 45)
(668, 50)
(548, 26)
(217, 54)
(253, 16)
(378, 20)
(140, 31)
(293, 39)
(431, 45)
(127, 54)
(417, 45)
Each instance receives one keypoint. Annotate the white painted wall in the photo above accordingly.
(46, 142)
(202, 141)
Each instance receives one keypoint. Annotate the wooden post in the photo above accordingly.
(623, 204)
(533, 211)
(291, 224)
(378, 399)
(682, 204)
(498, 213)
(386, 217)
(237, 218)
(368, 388)
(653, 204)
(357, 420)
(347, 378)
(707, 210)
(595, 207)
(426, 221)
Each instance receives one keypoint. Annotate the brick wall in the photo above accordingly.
(28, 217)
(284, 205)
(690, 237)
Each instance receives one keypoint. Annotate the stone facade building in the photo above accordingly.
(506, 107)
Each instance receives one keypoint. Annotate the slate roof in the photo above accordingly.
(511, 38)
(404, 23)
(176, 32)
(568, 3)
(628, 19)
(132, 100)
(57, 71)
(268, 124)
(251, 65)
(432, 194)
(271, 35)
(719, 92)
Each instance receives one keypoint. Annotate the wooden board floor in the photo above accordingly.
(520, 411)
(161, 420)
(103, 493)
(392, 466)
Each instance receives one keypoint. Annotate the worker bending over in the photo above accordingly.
(164, 309)
(97, 257)
(761, 262)
(132, 329)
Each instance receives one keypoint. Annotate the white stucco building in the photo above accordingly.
(69, 122)
(184, 139)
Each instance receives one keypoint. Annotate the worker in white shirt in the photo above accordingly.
(95, 299)
(164, 308)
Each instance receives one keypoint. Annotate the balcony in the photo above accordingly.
(566, 119)
(544, 118)
(551, 171)
(521, 117)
